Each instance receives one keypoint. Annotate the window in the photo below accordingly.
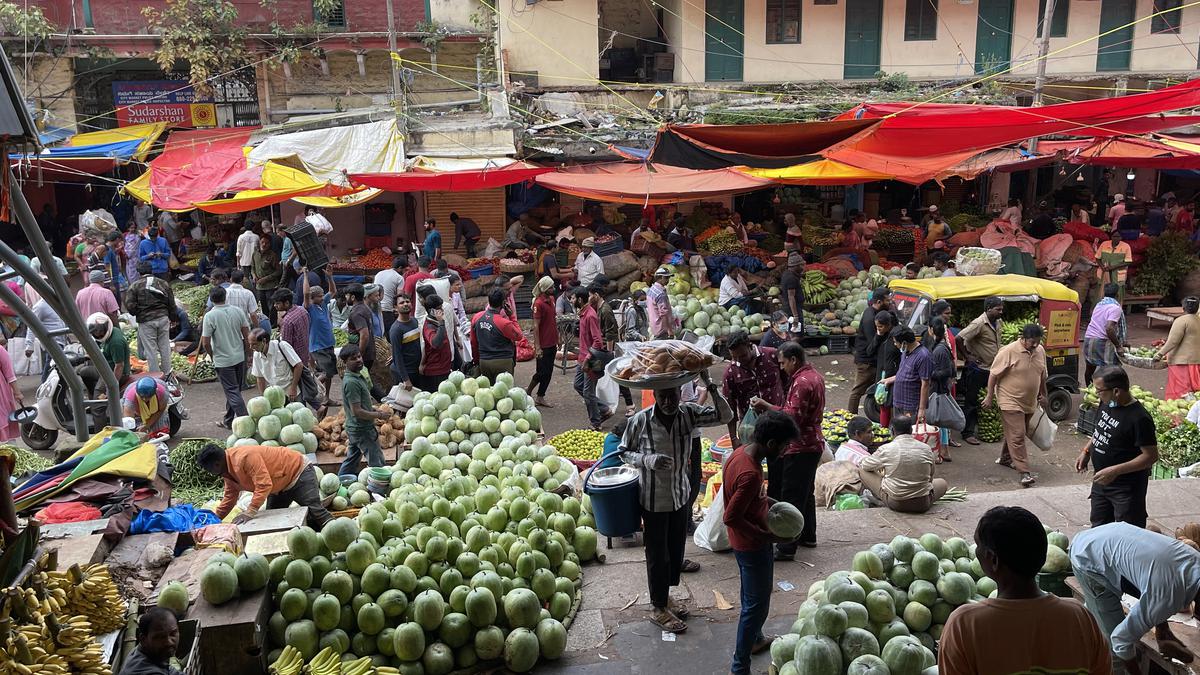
(334, 14)
(1168, 22)
(920, 20)
(783, 21)
(1058, 22)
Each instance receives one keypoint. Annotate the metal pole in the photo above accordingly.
(66, 309)
(1038, 83)
(391, 16)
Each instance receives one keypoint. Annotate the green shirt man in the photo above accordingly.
(223, 326)
(116, 354)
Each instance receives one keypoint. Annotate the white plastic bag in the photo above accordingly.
(1041, 430)
(607, 392)
(493, 249)
(23, 364)
(710, 533)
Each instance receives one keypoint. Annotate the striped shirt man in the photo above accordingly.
(646, 435)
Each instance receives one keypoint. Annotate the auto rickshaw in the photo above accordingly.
(1058, 313)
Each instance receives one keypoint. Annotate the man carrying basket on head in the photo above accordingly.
(658, 441)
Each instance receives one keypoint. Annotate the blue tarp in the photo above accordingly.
(55, 134)
(179, 518)
(118, 150)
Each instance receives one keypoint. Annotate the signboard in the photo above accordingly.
(162, 101)
(1062, 327)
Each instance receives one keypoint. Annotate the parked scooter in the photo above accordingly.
(55, 413)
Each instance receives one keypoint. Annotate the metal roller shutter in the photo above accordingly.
(485, 207)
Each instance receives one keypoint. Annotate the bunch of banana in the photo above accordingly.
(290, 662)
(360, 666)
(20, 656)
(326, 662)
(76, 643)
(91, 592)
(817, 289)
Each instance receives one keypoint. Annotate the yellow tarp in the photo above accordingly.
(148, 133)
(281, 183)
(821, 172)
(958, 288)
(1180, 145)
(139, 188)
(141, 462)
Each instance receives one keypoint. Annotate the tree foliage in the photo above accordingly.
(24, 21)
(203, 34)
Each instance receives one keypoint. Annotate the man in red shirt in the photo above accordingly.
(795, 471)
(590, 337)
(746, 521)
(436, 355)
(753, 372)
(545, 339)
(410, 280)
(494, 337)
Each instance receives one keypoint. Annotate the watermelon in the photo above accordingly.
(818, 655)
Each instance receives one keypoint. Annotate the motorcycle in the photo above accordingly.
(54, 412)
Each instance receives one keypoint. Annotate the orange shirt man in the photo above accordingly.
(276, 476)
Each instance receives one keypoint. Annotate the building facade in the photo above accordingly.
(564, 43)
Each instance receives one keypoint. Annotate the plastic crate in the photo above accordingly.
(370, 242)
(609, 247)
(840, 344)
(308, 246)
(1085, 424)
(485, 271)
(1161, 471)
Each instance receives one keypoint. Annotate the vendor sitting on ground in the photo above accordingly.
(1112, 560)
(734, 291)
(900, 473)
(277, 476)
(157, 640)
(854, 448)
(146, 402)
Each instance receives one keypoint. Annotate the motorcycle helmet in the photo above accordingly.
(100, 326)
(146, 387)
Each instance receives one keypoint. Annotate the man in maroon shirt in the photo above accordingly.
(293, 329)
(795, 471)
(410, 280)
(494, 337)
(545, 339)
(754, 372)
(590, 337)
(746, 521)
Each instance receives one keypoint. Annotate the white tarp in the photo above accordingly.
(328, 154)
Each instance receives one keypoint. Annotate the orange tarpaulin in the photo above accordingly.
(1125, 152)
(648, 183)
(917, 145)
(1140, 125)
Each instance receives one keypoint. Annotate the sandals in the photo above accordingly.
(955, 444)
(763, 645)
(971, 440)
(689, 566)
(664, 619)
(680, 611)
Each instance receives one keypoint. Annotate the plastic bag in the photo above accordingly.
(746, 429)
(711, 534)
(849, 502)
(607, 392)
(943, 411)
(661, 359)
(1041, 430)
(25, 364)
(883, 395)
(493, 249)
(971, 261)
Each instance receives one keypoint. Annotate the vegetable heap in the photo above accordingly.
(189, 483)
(816, 287)
(886, 613)
(472, 558)
(989, 428)
(194, 299)
(579, 444)
(1010, 329)
(1179, 446)
(833, 427)
(27, 461)
(274, 422)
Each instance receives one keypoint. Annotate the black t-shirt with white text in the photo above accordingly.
(789, 284)
(1120, 435)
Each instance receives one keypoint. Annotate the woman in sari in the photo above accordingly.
(132, 241)
(1182, 352)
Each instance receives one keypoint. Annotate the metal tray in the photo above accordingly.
(653, 383)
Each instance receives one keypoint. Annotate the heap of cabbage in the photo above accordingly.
(885, 615)
(275, 422)
(470, 559)
(699, 312)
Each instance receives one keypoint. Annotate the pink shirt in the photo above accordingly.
(658, 311)
(589, 333)
(95, 298)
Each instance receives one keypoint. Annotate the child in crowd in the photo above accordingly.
(854, 449)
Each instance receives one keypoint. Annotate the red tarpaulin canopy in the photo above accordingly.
(916, 146)
(648, 183)
(198, 165)
(759, 146)
(1130, 152)
(1141, 125)
(450, 181)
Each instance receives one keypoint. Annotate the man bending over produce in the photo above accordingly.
(1163, 572)
(277, 476)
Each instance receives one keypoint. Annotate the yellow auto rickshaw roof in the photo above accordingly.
(986, 285)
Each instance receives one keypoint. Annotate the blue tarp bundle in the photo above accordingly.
(179, 518)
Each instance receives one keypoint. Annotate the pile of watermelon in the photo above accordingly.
(275, 422)
(470, 560)
(885, 615)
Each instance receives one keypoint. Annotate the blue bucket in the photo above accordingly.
(615, 503)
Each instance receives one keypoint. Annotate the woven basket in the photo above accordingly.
(515, 266)
(1143, 362)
